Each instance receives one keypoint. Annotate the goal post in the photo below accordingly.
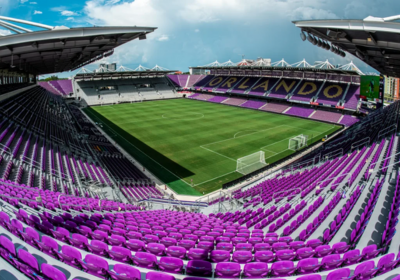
(251, 163)
(298, 142)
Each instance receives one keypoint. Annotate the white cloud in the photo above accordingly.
(71, 18)
(302, 13)
(197, 30)
(33, 3)
(163, 38)
(37, 12)
(23, 1)
(5, 32)
(68, 13)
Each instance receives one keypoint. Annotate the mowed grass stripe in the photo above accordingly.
(199, 141)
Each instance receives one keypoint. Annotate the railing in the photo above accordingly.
(387, 130)
(363, 141)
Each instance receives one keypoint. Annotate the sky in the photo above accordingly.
(198, 32)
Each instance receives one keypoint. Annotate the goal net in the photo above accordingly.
(250, 163)
(298, 142)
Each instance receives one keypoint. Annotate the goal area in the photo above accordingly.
(298, 142)
(251, 163)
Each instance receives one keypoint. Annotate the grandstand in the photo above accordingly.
(75, 204)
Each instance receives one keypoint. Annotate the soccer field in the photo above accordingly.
(193, 146)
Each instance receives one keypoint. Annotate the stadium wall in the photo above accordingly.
(125, 90)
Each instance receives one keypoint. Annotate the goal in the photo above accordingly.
(251, 163)
(298, 142)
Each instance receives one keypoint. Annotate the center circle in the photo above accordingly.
(183, 117)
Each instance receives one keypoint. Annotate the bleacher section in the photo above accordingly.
(58, 87)
(125, 90)
(287, 109)
(330, 220)
(48, 145)
(303, 90)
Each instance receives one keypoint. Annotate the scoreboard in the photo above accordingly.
(372, 88)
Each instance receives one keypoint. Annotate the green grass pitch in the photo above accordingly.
(193, 146)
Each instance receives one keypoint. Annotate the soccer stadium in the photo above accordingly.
(255, 169)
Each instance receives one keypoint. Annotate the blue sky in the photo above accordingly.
(197, 32)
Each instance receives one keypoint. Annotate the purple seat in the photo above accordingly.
(98, 247)
(145, 260)
(242, 256)
(255, 270)
(85, 231)
(52, 273)
(340, 247)
(155, 249)
(124, 272)
(279, 246)
(120, 254)
(134, 235)
(187, 244)
(322, 251)
(264, 256)
(153, 275)
(352, 257)
(100, 235)
(255, 240)
(150, 238)
(228, 270)
(262, 247)
(339, 274)
(314, 243)
(70, 256)
(304, 253)
(135, 245)
(310, 277)
(365, 271)
(295, 245)
(199, 268)
(370, 252)
(244, 247)
(385, 263)
(27, 264)
(168, 241)
(285, 255)
(79, 241)
(116, 240)
(95, 265)
(7, 249)
(48, 246)
(31, 236)
(176, 252)
(306, 266)
(331, 262)
(225, 246)
(237, 240)
(206, 245)
(170, 264)
(220, 256)
(197, 254)
(222, 239)
(282, 268)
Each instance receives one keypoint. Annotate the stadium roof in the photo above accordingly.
(122, 74)
(58, 49)
(376, 41)
(283, 68)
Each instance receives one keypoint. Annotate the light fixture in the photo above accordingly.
(303, 36)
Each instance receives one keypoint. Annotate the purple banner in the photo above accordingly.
(266, 73)
(320, 76)
(333, 77)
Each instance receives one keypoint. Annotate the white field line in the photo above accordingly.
(147, 155)
(234, 136)
(218, 154)
(262, 148)
(241, 136)
(214, 178)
